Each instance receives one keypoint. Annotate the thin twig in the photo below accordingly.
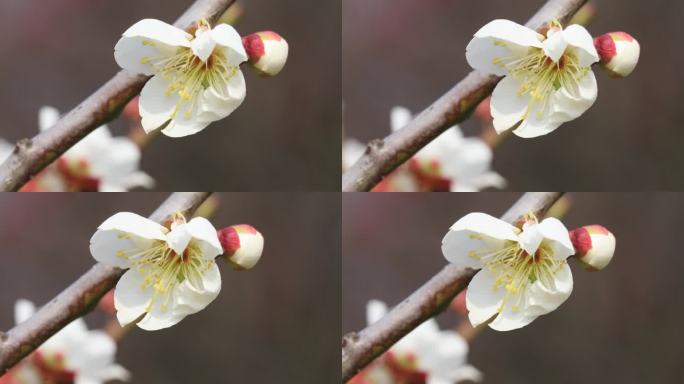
(382, 156)
(81, 296)
(31, 155)
(360, 348)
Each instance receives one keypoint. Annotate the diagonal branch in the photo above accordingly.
(31, 155)
(81, 296)
(382, 156)
(361, 348)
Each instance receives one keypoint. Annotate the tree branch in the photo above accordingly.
(382, 156)
(361, 348)
(81, 296)
(31, 155)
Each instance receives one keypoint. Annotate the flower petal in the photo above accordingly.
(498, 39)
(179, 238)
(537, 124)
(47, 117)
(578, 37)
(134, 224)
(156, 107)
(542, 300)
(554, 46)
(566, 105)
(475, 232)
(483, 297)
(158, 318)
(203, 231)
(130, 299)
(216, 104)
(148, 38)
(399, 117)
(228, 37)
(508, 108)
(23, 310)
(375, 310)
(554, 231)
(510, 319)
(531, 238)
(124, 231)
(202, 45)
(191, 298)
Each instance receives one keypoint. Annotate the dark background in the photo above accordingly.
(285, 136)
(620, 325)
(409, 52)
(275, 323)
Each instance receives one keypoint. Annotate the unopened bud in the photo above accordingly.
(594, 246)
(619, 53)
(267, 52)
(242, 245)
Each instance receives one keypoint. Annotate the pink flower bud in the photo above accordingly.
(242, 245)
(619, 52)
(594, 246)
(267, 52)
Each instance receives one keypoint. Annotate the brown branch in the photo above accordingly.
(81, 296)
(382, 156)
(30, 156)
(360, 348)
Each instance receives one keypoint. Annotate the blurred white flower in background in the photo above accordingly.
(548, 79)
(72, 355)
(99, 162)
(523, 273)
(196, 78)
(426, 355)
(172, 272)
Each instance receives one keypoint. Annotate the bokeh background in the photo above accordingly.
(285, 136)
(409, 52)
(620, 325)
(275, 323)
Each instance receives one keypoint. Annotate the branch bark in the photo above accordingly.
(31, 155)
(361, 348)
(81, 296)
(382, 156)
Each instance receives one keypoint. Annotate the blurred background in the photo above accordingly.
(285, 136)
(275, 323)
(408, 53)
(620, 325)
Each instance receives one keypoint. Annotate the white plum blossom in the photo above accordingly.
(99, 162)
(523, 273)
(426, 355)
(196, 78)
(352, 150)
(72, 355)
(172, 272)
(547, 78)
(462, 163)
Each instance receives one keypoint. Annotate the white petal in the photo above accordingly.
(542, 300)
(530, 239)
(148, 38)
(509, 319)
(536, 124)
(352, 150)
(158, 318)
(202, 230)
(497, 39)
(578, 37)
(95, 349)
(130, 299)
(127, 182)
(228, 37)
(554, 46)
(47, 117)
(399, 117)
(6, 149)
(179, 238)
(134, 224)
(507, 107)
(202, 45)
(472, 159)
(23, 310)
(483, 299)
(477, 232)
(120, 159)
(553, 230)
(156, 107)
(566, 106)
(181, 127)
(192, 299)
(106, 245)
(375, 310)
(216, 104)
